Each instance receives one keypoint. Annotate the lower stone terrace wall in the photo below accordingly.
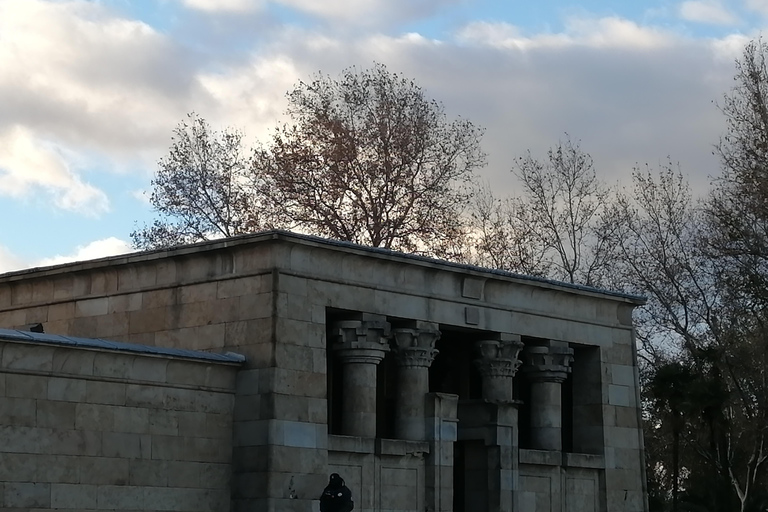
(561, 482)
(384, 475)
(85, 430)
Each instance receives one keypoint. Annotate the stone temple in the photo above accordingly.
(237, 374)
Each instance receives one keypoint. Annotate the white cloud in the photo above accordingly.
(27, 163)
(98, 249)
(707, 11)
(233, 6)
(609, 32)
(760, 6)
(9, 261)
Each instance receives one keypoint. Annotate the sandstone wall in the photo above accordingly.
(83, 429)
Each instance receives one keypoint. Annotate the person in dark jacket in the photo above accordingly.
(336, 497)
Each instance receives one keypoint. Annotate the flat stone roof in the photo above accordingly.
(289, 236)
(100, 344)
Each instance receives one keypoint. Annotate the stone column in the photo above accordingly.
(547, 365)
(415, 349)
(498, 364)
(360, 345)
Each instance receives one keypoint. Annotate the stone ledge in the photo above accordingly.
(401, 447)
(552, 458)
(369, 445)
(350, 444)
(584, 460)
(541, 457)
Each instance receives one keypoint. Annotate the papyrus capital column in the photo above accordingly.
(547, 365)
(414, 346)
(360, 345)
(498, 364)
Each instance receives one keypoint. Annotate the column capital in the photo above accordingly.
(499, 357)
(414, 344)
(366, 336)
(548, 361)
(498, 364)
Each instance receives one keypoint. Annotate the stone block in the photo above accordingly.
(148, 472)
(66, 390)
(163, 422)
(76, 497)
(218, 426)
(191, 423)
(148, 320)
(18, 411)
(237, 287)
(64, 287)
(104, 281)
(248, 332)
(247, 408)
(140, 395)
(152, 299)
(57, 468)
(150, 369)
(91, 307)
(95, 417)
(122, 497)
(619, 395)
(101, 392)
(209, 337)
(37, 315)
(294, 357)
(74, 442)
(5, 296)
(184, 473)
(18, 467)
(619, 437)
(18, 356)
(26, 386)
(131, 420)
(215, 476)
(104, 471)
(627, 417)
(298, 307)
(202, 292)
(25, 495)
(255, 306)
(56, 414)
(131, 278)
(127, 446)
(125, 303)
(21, 293)
(13, 319)
(73, 361)
(112, 365)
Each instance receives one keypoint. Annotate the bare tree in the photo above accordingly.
(202, 189)
(370, 159)
(503, 235)
(563, 201)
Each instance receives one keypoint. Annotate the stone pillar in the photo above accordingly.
(415, 349)
(442, 433)
(498, 364)
(547, 364)
(360, 345)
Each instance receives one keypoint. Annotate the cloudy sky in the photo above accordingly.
(90, 91)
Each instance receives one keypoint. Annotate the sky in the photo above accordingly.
(90, 91)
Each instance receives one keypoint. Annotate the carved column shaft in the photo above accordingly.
(547, 366)
(415, 348)
(360, 345)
